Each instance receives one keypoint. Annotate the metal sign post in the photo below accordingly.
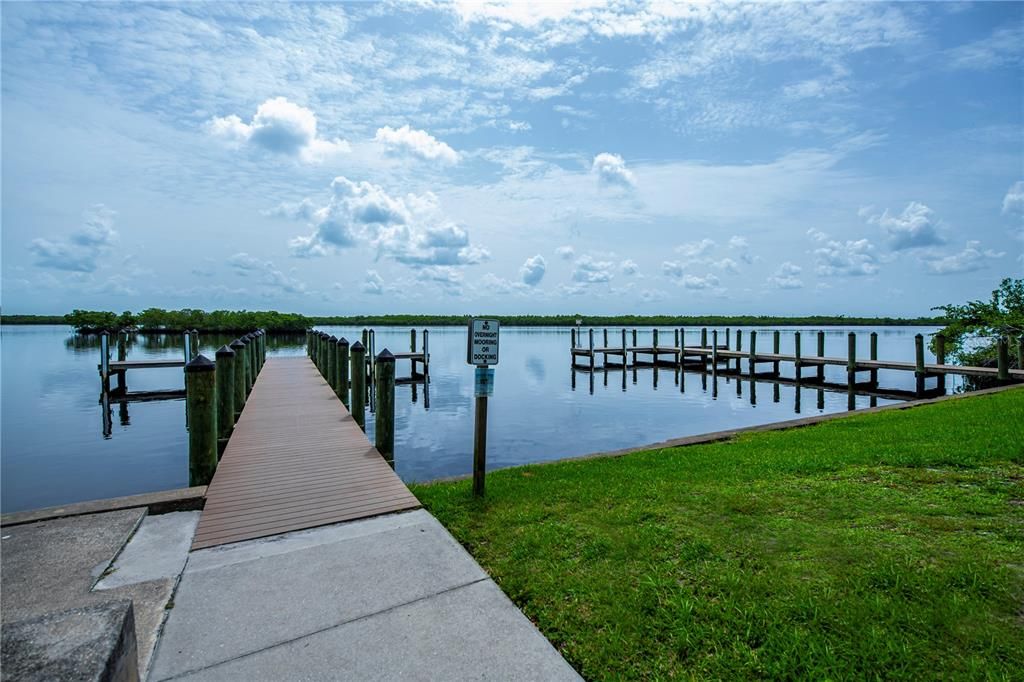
(481, 351)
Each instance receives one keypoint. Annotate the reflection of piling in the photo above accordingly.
(201, 406)
(384, 425)
(225, 359)
(239, 377)
(358, 372)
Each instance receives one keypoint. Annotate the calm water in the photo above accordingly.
(55, 451)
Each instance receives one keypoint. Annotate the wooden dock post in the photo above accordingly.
(753, 358)
(728, 342)
(201, 406)
(798, 369)
(714, 355)
(919, 372)
(332, 358)
(412, 340)
(1002, 359)
(254, 354)
(677, 338)
(426, 365)
(358, 372)
(342, 362)
(739, 349)
(384, 424)
(186, 348)
(873, 354)
(195, 343)
(1020, 351)
(851, 359)
(704, 337)
(940, 358)
(776, 345)
(591, 349)
(225, 381)
(105, 361)
(247, 369)
(239, 376)
(572, 338)
(821, 354)
(606, 337)
(654, 337)
(634, 339)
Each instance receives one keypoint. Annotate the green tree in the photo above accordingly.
(973, 328)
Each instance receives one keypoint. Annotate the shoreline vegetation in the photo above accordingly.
(159, 321)
(880, 545)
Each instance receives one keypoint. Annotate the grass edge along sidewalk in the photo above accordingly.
(887, 544)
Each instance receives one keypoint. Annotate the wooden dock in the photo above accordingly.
(296, 460)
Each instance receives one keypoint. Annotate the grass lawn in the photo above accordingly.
(882, 545)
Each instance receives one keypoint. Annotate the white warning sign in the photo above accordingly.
(482, 348)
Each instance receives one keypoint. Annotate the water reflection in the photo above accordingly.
(86, 452)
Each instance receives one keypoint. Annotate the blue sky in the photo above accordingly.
(790, 158)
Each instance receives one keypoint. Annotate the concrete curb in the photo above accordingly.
(181, 499)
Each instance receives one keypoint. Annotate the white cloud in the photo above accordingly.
(849, 258)
(970, 259)
(281, 127)
(532, 271)
(629, 267)
(84, 247)
(786, 277)
(565, 252)
(727, 264)
(672, 268)
(270, 277)
(691, 251)
(418, 143)
(611, 171)
(1002, 48)
(590, 271)
(446, 277)
(1013, 202)
(708, 281)
(373, 284)
(914, 228)
(738, 243)
(411, 229)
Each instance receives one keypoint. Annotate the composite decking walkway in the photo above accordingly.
(296, 460)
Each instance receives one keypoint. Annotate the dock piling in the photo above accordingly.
(105, 361)
(821, 354)
(776, 345)
(332, 367)
(1002, 359)
(940, 358)
(201, 406)
(873, 354)
(358, 372)
(239, 378)
(739, 349)
(704, 337)
(384, 425)
(194, 334)
(343, 361)
(714, 353)
(753, 357)
(851, 360)
(797, 365)
(919, 372)
(225, 384)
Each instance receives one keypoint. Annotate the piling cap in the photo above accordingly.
(343, 341)
(358, 347)
(243, 340)
(225, 352)
(200, 363)
(333, 339)
(195, 331)
(237, 345)
(385, 356)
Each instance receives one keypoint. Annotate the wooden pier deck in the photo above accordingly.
(296, 460)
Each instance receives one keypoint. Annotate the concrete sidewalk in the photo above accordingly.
(385, 598)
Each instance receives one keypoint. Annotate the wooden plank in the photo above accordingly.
(143, 364)
(296, 460)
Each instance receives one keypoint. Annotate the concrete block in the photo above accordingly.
(89, 643)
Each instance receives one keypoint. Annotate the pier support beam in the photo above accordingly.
(358, 373)
(225, 359)
(384, 424)
(201, 406)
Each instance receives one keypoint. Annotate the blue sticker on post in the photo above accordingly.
(482, 342)
(483, 387)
